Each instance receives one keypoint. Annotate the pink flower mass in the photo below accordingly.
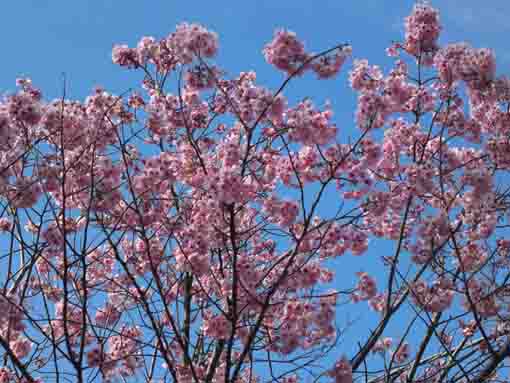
(204, 228)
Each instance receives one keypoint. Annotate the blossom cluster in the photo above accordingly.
(205, 231)
(288, 54)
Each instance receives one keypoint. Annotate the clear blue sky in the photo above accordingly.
(44, 38)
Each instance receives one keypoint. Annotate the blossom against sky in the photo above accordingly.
(76, 38)
(45, 38)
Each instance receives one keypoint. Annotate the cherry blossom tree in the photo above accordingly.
(195, 229)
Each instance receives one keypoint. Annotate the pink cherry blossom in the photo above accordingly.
(203, 227)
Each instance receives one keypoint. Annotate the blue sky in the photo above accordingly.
(44, 38)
